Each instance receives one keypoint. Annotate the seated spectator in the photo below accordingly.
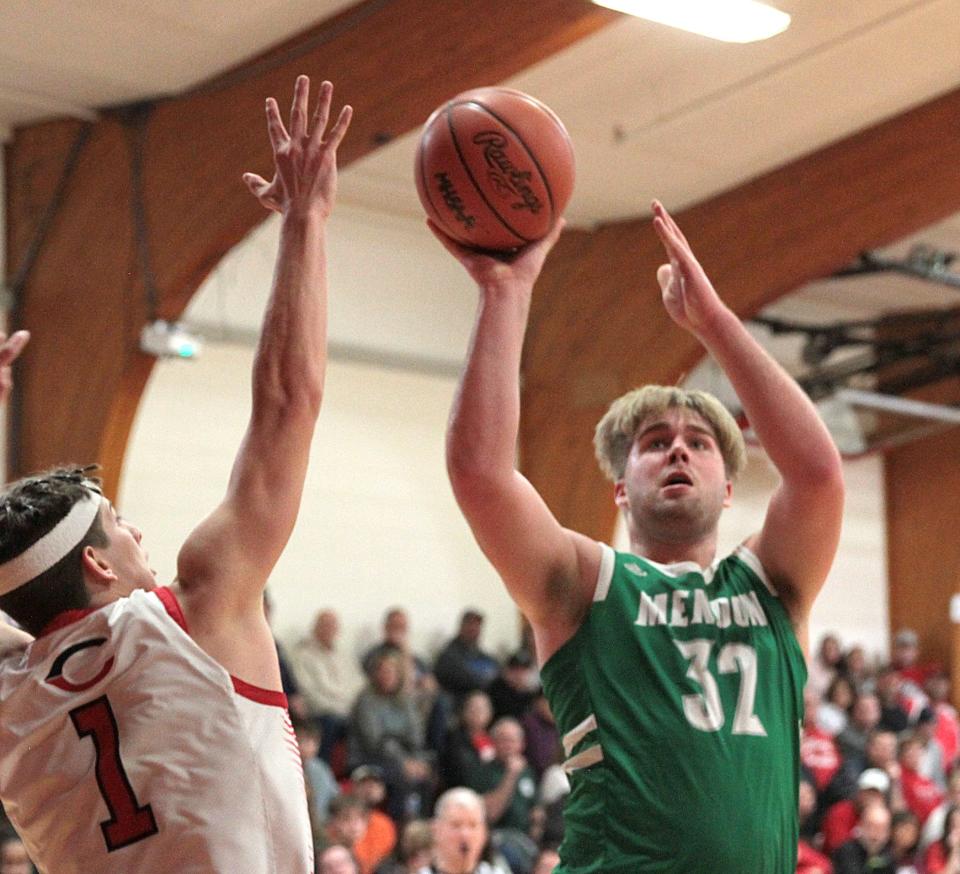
(920, 794)
(386, 730)
(468, 746)
(346, 823)
(543, 747)
(509, 790)
(552, 795)
(415, 850)
(868, 849)
(808, 812)
(514, 688)
(893, 713)
(322, 786)
(337, 859)
(947, 727)
(881, 753)
(933, 828)
(824, 665)
(864, 718)
(380, 836)
(507, 784)
(329, 679)
(819, 754)
(396, 631)
(904, 840)
(809, 861)
(834, 711)
(904, 656)
(462, 666)
(857, 670)
(931, 759)
(943, 856)
(840, 820)
(418, 680)
(546, 861)
(460, 835)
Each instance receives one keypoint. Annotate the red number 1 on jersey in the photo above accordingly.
(129, 820)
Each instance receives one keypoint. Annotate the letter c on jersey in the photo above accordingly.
(56, 678)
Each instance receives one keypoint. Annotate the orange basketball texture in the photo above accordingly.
(494, 168)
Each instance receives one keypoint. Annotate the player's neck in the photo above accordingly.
(701, 552)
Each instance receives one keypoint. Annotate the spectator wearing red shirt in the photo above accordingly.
(947, 727)
(841, 819)
(920, 794)
(904, 656)
(809, 861)
(819, 753)
(943, 857)
(933, 827)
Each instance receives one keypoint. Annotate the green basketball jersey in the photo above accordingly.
(679, 700)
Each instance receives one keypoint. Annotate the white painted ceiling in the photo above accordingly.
(651, 110)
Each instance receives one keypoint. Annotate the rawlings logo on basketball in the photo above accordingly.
(508, 180)
(453, 200)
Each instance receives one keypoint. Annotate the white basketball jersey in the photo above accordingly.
(124, 747)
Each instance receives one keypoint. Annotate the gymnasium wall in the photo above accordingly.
(379, 526)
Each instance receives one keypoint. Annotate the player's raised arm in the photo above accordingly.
(224, 564)
(548, 570)
(802, 528)
(10, 349)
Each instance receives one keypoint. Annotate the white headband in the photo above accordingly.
(52, 547)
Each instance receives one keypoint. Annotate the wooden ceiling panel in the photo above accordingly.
(84, 302)
(597, 320)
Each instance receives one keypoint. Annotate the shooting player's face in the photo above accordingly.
(675, 484)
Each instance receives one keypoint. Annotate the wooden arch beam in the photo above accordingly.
(80, 385)
(597, 327)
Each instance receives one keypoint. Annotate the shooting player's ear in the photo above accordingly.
(620, 494)
(728, 493)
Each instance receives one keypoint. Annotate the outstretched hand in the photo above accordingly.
(305, 161)
(10, 348)
(519, 268)
(688, 294)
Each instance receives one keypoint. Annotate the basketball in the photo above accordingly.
(494, 168)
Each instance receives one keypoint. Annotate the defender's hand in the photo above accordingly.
(305, 175)
(10, 349)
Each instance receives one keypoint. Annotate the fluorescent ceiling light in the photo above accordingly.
(727, 20)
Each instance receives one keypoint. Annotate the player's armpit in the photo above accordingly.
(799, 540)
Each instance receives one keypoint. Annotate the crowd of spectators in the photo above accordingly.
(408, 762)
(386, 735)
(880, 790)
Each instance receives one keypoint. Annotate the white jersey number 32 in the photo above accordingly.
(704, 710)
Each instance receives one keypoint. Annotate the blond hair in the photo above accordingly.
(618, 427)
